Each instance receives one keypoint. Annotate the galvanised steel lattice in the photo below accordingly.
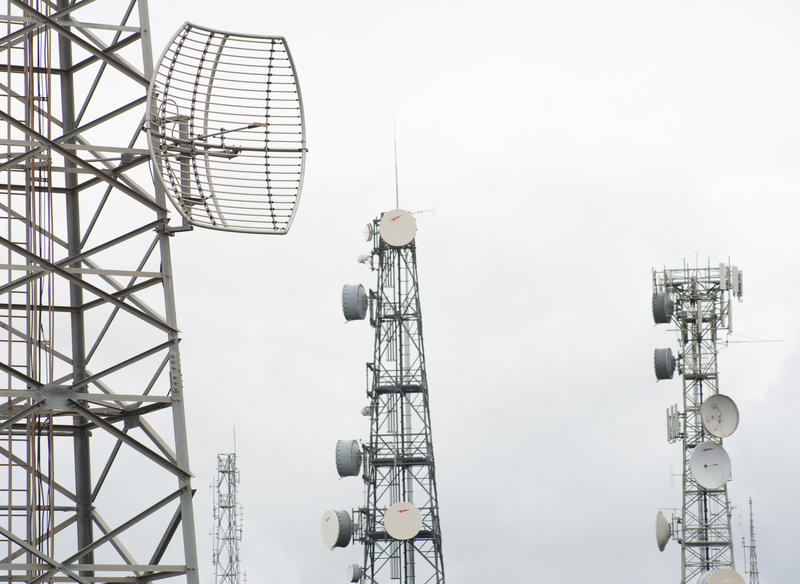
(227, 521)
(701, 313)
(94, 469)
(399, 457)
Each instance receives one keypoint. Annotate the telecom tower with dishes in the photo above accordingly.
(95, 483)
(698, 302)
(227, 521)
(398, 524)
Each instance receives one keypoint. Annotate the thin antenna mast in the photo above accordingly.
(396, 180)
(752, 569)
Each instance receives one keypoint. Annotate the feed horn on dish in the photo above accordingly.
(697, 301)
(398, 525)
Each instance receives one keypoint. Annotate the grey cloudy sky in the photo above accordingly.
(566, 148)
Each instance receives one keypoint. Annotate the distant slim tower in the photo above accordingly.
(698, 302)
(399, 522)
(227, 521)
(752, 570)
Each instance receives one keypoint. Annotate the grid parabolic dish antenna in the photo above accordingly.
(710, 465)
(720, 415)
(226, 130)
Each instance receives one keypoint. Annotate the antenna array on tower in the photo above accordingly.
(227, 521)
(398, 524)
(698, 302)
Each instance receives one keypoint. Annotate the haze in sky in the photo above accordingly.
(561, 150)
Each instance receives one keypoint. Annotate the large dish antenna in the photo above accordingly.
(710, 465)
(721, 576)
(720, 415)
(226, 130)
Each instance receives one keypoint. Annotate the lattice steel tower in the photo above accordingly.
(94, 467)
(398, 524)
(698, 302)
(752, 560)
(227, 521)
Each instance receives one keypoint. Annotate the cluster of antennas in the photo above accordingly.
(678, 299)
(403, 520)
(226, 130)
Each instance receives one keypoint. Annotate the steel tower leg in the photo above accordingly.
(89, 346)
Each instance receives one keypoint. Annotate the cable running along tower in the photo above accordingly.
(398, 524)
(94, 467)
(698, 302)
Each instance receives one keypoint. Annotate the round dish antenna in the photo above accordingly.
(402, 520)
(348, 458)
(226, 130)
(720, 415)
(662, 308)
(354, 302)
(397, 227)
(336, 528)
(353, 573)
(663, 531)
(664, 363)
(721, 576)
(710, 465)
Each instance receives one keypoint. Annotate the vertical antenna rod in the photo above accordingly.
(396, 179)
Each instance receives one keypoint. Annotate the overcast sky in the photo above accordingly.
(564, 150)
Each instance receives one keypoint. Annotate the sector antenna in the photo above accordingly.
(96, 481)
(697, 301)
(398, 524)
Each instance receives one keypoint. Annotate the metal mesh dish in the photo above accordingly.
(226, 130)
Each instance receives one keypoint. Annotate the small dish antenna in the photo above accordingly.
(402, 521)
(353, 573)
(348, 458)
(397, 227)
(720, 415)
(336, 528)
(664, 363)
(663, 531)
(710, 465)
(721, 576)
(354, 302)
(226, 130)
(662, 308)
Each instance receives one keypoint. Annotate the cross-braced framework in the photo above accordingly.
(701, 299)
(752, 560)
(227, 521)
(399, 462)
(94, 470)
